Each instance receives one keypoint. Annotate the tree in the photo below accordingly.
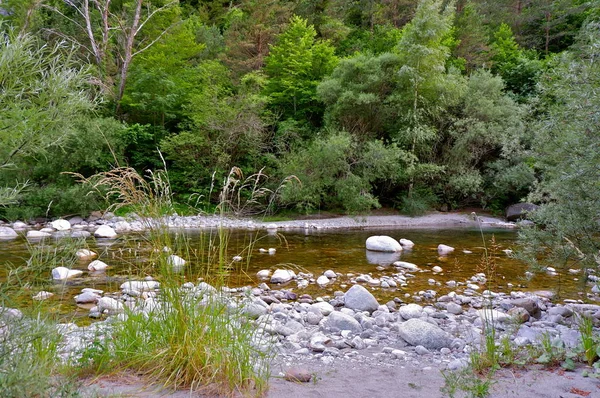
(358, 95)
(294, 67)
(567, 157)
(43, 89)
(518, 68)
(425, 87)
(113, 30)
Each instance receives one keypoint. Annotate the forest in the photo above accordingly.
(412, 105)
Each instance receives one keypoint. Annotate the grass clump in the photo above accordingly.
(190, 335)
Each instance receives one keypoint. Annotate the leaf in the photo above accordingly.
(568, 364)
(544, 359)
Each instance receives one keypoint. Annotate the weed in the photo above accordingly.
(590, 344)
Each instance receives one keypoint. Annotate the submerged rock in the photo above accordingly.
(62, 273)
(97, 265)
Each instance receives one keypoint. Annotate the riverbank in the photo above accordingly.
(108, 225)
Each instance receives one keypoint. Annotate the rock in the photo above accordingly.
(418, 332)
(237, 259)
(62, 273)
(410, 311)
(37, 234)
(85, 254)
(408, 266)
(488, 316)
(272, 250)
(43, 295)
(97, 265)
(383, 244)
(263, 274)
(282, 276)
(339, 320)
(175, 261)
(519, 314)
(87, 297)
(360, 299)
(7, 233)
(19, 225)
(298, 375)
(105, 231)
(330, 274)
(122, 226)
(80, 234)
(420, 350)
(437, 269)
(454, 308)
(141, 286)
(61, 225)
(323, 307)
(444, 250)
(75, 220)
(322, 280)
(406, 244)
(562, 311)
(519, 211)
(530, 305)
(110, 305)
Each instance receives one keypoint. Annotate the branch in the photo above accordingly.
(151, 15)
(153, 41)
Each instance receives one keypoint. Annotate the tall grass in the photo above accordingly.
(196, 338)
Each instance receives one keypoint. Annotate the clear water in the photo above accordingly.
(312, 251)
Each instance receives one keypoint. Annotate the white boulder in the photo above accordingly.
(37, 234)
(85, 254)
(97, 265)
(105, 231)
(140, 286)
(175, 261)
(444, 249)
(322, 280)
(62, 273)
(110, 305)
(383, 244)
(283, 276)
(7, 233)
(406, 243)
(61, 225)
(263, 274)
(406, 266)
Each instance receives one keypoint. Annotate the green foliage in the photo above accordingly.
(358, 95)
(294, 67)
(519, 69)
(43, 89)
(338, 172)
(567, 135)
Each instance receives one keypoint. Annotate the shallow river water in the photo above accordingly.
(304, 251)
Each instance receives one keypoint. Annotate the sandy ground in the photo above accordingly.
(364, 379)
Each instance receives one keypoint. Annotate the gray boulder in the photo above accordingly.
(341, 321)
(417, 332)
(519, 211)
(360, 299)
(530, 305)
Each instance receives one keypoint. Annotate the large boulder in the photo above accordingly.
(360, 299)
(418, 332)
(530, 305)
(339, 320)
(520, 211)
(7, 233)
(383, 244)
